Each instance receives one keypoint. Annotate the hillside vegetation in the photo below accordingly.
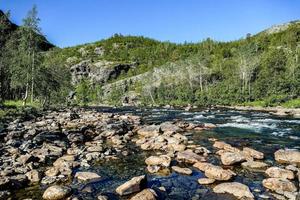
(263, 69)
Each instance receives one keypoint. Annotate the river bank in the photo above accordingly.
(130, 153)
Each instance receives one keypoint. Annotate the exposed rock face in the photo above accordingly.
(279, 185)
(287, 156)
(100, 72)
(239, 190)
(57, 192)
(87, 176)
(131, 186)
(276, 172)
(146, 194)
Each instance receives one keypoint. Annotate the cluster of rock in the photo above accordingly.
(63, 141)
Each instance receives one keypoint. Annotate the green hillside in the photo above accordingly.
(262, 69)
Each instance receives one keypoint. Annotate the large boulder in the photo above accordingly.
(276, 172)
(230, 158)
(279, 185)
(287, 156)
(239, 190)
(189, 156)
(136, 184)
(146, 194)
(57, 192)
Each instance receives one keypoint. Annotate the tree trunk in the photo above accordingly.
(32, 78)
(26, 91)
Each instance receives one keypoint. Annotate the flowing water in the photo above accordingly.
(261, 131)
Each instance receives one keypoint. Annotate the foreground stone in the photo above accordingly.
(190, 157)
(214, 172)
(57, 192)
(287, 156)
(131, 186)
(206, 181)
(87, 176)
(146, 194)
(279, 185)
(239, 190)
(180, 170)
(276, 172)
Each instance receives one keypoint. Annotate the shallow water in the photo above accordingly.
(261, 131)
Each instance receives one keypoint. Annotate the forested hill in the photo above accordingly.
(261, 69)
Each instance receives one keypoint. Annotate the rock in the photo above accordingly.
(57, 192)
(230, 158)
(52, 172)
(169, 127)
(153, 168)
(253, 153)
(149, 131)
(87, 176)
(76, 137)
(218, 173)
(221, 145)
(276, 172)
(33, 176)
(102, 197)
(188, 156)
(133, 185)
(279, 185)
(206, 181)
(180, 170)
(162, 160)
(239, 190)
(254, 165)
(287, 156)
(146, 194)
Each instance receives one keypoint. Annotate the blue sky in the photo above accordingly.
(71, 22)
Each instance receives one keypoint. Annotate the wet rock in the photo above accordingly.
(33, 176)
(170, 127)
(162, 160)
(181, 170)
(153, 168)
(149, 131)
(76, 137)
(221, 145)
(48, 137)
(102, 197)
(4, 195)
(87, 176)
(189, 156)
(146, 194)
(133, 185)
(287, 156)
(52, 172)
(239, 190)
(254, 165)
(218, 173)
(206, 181)
(276, 172)
(279, 185)
(253, 153)
(57, 192)
(230, 158)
